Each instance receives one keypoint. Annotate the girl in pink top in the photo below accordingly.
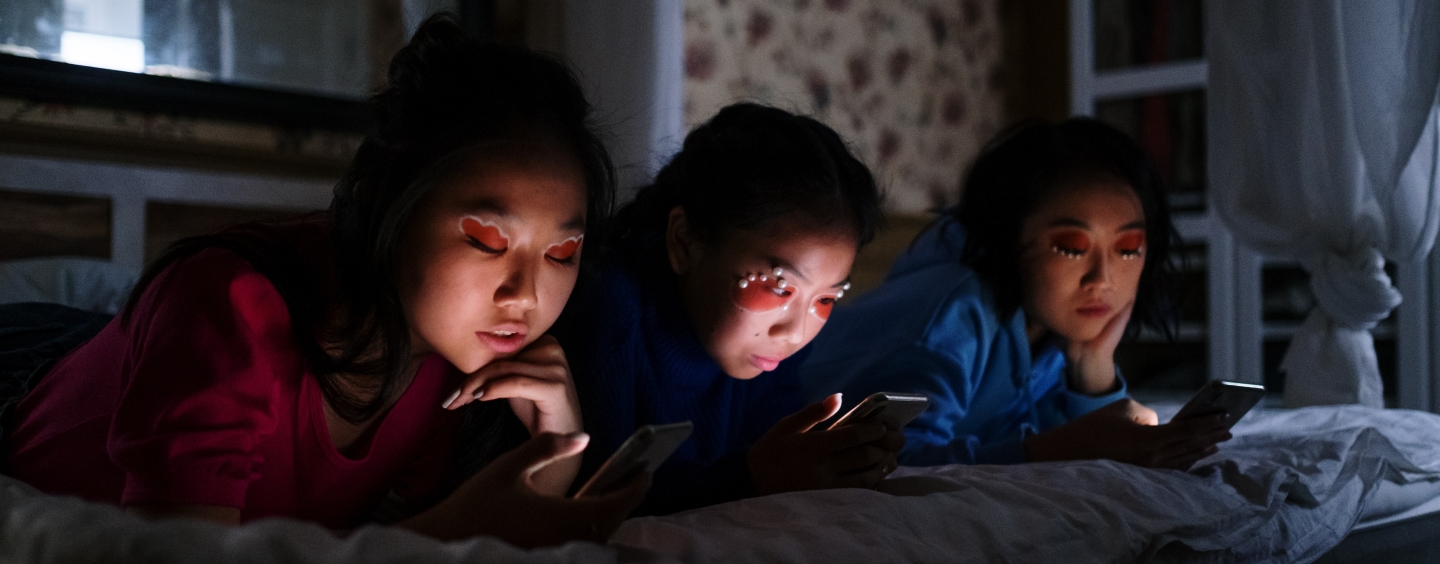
(309, 369)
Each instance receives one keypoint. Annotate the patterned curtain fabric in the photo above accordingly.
(1323, 148)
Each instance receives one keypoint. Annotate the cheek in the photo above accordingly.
(1049, 284)
(440, 308)
(1130, 276)
(553, 290)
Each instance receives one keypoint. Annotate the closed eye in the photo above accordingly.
(1131, 245)
(484, 236)
(564, 252)
(482, 246)
(1070, 244)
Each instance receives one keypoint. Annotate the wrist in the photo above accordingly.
(1093, 377)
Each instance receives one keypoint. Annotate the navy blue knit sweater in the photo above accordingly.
(636, 361)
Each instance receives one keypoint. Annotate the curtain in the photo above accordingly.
(630, 56)
(1323, 125)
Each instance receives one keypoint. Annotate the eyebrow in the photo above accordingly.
(790, 268)
(486, 206)
(576, 223)
(1072, 222)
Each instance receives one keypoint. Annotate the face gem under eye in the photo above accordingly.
(760, 294)
(488, 234)
(822, 307)
(565, 249)
(1070, 244)
(1131, 243)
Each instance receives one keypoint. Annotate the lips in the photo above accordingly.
(1094, 311)
(765, 363)
(505, 338)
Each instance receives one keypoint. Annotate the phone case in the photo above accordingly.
(645, 450)
(1235, 398)
(893, 409)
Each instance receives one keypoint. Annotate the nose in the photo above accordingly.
(517, 289)
(1101, 272)
(790, 327)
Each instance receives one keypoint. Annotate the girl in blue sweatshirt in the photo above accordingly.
(717, 277)
(1007, 311)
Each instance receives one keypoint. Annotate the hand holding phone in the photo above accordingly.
(1222, 396)
(644, 451)
(895, 410)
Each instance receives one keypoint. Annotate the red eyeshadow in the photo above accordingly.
(564, 249)
(761, 295)
(487, 235)
(1130, 242)
(1071, 241)
(823, 306)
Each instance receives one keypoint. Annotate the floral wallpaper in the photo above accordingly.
(913, 85)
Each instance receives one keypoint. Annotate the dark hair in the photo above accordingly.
(1027, 164)
(751, 164)
(447, 93)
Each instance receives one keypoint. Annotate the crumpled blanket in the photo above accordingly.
(1286, 489)
(40, 529)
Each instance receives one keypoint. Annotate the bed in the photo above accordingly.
(1289, 488)
(1327, 484)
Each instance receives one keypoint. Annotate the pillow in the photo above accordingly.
(82, 283)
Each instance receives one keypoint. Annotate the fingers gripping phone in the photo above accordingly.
(893, 409)
(1221, 396)
(643, 451)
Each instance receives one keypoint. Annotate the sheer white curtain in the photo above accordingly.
(1324, 117)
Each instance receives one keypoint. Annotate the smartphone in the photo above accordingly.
(643, 451)
(893, 409)
(1221, 396)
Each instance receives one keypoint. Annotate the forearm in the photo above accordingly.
(1092, 376)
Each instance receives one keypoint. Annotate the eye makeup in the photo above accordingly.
(761, 293)
(1071, 244)
(488, 236)
(564, 250)
(1131, 245)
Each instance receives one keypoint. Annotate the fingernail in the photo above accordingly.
(480, 393)
(452, 399)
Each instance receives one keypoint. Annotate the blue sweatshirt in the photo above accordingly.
(932, 328)
(636, 361)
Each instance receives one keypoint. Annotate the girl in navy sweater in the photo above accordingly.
(717, 277)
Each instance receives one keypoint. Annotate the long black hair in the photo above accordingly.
(447, 93)
(1024, 166)
(750, 165)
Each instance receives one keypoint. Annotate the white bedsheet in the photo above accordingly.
(1288, 488)
(40, 529)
